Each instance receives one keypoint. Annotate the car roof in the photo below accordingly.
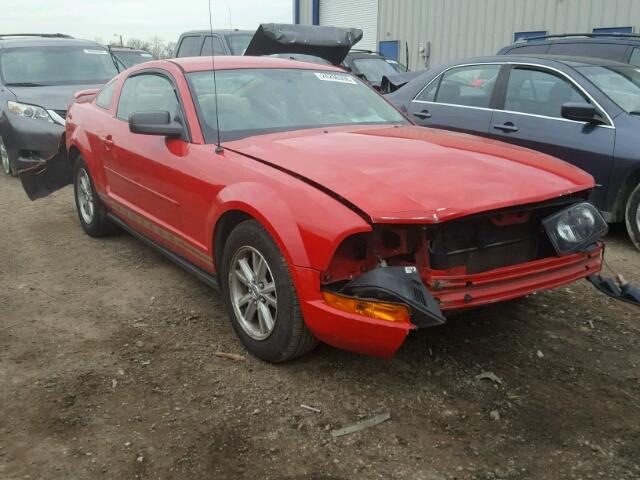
(223, 31)
(568, 60)
(199, 64)
(20, 42)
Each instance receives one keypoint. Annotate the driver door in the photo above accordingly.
(147, 174)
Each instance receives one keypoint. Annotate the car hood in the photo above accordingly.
(50, 97)
(407, 174)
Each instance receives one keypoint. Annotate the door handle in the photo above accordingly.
(424, 114)
(506, 127)
(108, 140)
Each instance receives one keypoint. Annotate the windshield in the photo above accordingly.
(620, 84)
(374, 68)
(67, 65)
(400, 68)
(129, 59)
(257, 101)
(238, 42)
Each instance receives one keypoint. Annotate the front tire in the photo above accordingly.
(91, 211)
(632, 216)
(260, 297)
(5, 160)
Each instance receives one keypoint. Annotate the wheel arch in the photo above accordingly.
(619, 207)
(249, 200)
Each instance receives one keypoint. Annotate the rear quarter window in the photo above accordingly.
(611, 51)
(103, 100)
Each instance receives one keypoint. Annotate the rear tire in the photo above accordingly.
(91, 211)
(260, 297)
(632, 216)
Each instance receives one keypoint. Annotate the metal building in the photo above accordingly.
(423, 33)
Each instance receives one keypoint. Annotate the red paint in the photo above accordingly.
(175, 192)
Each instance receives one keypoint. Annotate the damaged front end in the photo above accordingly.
(464, 263)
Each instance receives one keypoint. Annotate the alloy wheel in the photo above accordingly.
(84, 193)
(4, 158)
(253, 293)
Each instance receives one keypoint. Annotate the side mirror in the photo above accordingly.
(580, 112)
(155, 123)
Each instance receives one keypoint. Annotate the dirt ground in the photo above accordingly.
(107, 371)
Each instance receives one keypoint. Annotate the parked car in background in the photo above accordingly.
(371, 66)
(39, 74)
(224, 42)
(585, 111)
(127, 57)
(406, 222)
(619, 47)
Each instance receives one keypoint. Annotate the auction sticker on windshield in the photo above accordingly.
(95, 52)
(335, 77)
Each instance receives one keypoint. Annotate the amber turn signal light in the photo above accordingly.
(391, 312)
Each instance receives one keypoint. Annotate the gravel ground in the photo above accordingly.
(107, 370)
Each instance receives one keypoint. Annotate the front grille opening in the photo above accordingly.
(490, 241)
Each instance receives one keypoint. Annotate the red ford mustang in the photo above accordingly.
(323, 213)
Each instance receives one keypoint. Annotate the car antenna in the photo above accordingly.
(219, 148)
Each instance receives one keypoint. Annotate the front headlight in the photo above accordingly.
(29, 111)
(575, 228)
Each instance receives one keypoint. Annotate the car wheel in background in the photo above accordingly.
(4, 159)
(91, 210)
(632, 216)
(260, 297)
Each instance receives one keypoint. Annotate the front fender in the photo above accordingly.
(307, 226)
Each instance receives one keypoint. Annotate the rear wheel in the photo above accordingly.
(632, 216)
(260, 297)
(4, 159)
(91, 211)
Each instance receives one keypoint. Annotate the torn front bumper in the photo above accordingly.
(460, 291)
(382, 338)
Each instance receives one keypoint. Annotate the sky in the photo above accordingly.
(106, 19)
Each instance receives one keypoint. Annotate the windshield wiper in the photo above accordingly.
(634, 112)
(24, 84)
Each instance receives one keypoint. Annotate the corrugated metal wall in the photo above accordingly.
(457, 29)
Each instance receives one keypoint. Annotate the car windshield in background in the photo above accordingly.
(257, 101)
(56, 66)
(129, 59)
(374, 68)
(620, 84)
(238, 42)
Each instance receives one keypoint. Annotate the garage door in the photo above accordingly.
(362, 14)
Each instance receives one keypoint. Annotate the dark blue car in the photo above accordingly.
(585, 111)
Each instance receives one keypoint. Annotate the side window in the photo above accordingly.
(103, 100)
(146, 93)
(190, 46)
(611, 51)
(429, 94)
(635, 57)
(539, 93)
(468, 86)
(218, 49)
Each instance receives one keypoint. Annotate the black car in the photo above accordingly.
(39, 75)
(583, 110)
(127, 57)
(223, 42)
(371, 66)
(612, 46)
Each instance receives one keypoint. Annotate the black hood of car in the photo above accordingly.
(330, 43)
(391, 83)
(49, 97)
